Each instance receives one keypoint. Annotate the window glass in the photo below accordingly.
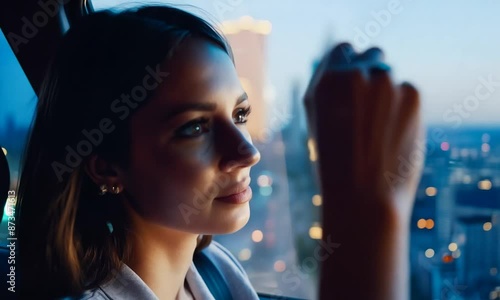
(448, 49)
(17, 104)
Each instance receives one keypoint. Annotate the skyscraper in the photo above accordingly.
(248, 38)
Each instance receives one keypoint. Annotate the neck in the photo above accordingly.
(161, 256)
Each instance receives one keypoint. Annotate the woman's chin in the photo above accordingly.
(232, 222)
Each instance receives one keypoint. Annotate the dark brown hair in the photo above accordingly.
(65, 242)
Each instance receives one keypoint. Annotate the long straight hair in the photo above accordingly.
(65, 241)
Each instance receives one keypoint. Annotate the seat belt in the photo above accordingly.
(212, 275)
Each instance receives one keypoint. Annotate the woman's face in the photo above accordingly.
(190, 146)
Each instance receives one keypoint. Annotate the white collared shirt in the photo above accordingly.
(127, 285)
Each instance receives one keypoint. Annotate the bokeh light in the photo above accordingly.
(245, 254)
(421, 223)
(484, 185)
(429, 224)
(445, 146)
(316, 232)
(453, 247)
(264, 180)
(317, 200)
(279, 266)
(431, 191)
(257, 236)
(429, 253)
(487, 226)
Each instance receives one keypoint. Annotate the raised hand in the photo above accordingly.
(368, 138)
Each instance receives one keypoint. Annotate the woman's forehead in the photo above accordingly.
(197, 68)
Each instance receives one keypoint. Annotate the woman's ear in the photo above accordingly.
(102, 172)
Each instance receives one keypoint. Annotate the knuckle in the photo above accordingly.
(374, 51)
(409, 90)
(411, 95)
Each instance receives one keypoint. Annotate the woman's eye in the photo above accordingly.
(194, 128)
(241, 115)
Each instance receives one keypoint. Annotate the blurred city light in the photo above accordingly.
(487, 226)
(264, 180)
(257, 236)
(316, 232)
(456, 254)
(484, 185)
(429, 253)
(429, 224)
(247, 23)
(421, 223)
(279, 266)
(445, 146)
(485, 147)
(317, 200)
(431, 191)
(495, 294)
(245, 254)
(4, 151)
(266, 190)
(312, 150)
(447, 258)
(453, 247)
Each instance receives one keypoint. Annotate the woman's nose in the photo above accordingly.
(237, 149)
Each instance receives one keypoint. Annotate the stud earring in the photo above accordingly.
(115, 189)
(103, 189)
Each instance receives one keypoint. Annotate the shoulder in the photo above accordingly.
(95, 294)
(125, 285)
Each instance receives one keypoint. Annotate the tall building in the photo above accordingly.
(478, 266)
(248, 39)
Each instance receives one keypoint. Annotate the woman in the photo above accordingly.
(139, 152)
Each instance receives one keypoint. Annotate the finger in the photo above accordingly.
(373, 55)
(359, 97)
(378, 111)
(407, 114)
(342, 54)
(317, 75)
(338, 95)
(372, 58)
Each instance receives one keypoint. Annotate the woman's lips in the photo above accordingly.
(238, 198)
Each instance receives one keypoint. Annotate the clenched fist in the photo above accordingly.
(368, 133)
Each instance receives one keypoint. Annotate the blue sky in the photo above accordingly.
(444, 47)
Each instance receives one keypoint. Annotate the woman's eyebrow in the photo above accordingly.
(242, 98)
(184, 107)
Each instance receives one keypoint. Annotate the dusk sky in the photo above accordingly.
(448, 49)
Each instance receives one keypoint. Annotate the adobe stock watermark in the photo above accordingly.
(202, 199)
(456, 115)
(31, 26)
(121, 109)
(407, 166)
(278, 119)
(222, 7)
(452, 290)
(12, 240)
(380, 20)
(464, 109)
